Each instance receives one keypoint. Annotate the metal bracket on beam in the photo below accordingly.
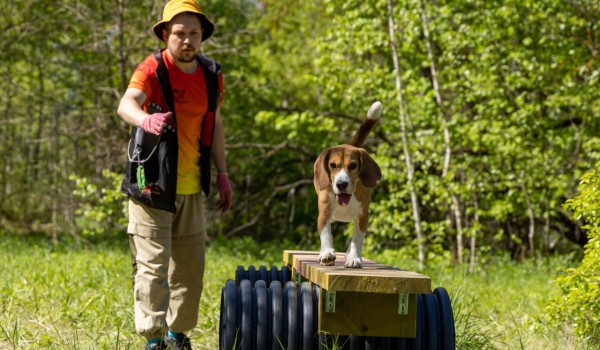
(403, 304)
(329, 301)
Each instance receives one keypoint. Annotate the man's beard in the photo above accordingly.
(186, 59)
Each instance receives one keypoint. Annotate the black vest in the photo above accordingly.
(159, 152)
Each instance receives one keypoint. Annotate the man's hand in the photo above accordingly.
(225, 192)
(154, 123)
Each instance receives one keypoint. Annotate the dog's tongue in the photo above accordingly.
(343, 198)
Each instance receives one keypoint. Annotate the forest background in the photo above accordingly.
(490, 117)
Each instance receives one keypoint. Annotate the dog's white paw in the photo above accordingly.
(353, 262)
(327, 257)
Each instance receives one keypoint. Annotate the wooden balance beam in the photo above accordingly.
(377, 300)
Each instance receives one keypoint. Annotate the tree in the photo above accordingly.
(500, 103)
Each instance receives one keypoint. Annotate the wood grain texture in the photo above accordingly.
(372, 278)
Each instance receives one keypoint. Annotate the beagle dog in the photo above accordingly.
(344, 178)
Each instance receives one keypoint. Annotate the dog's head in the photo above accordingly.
(343, 168)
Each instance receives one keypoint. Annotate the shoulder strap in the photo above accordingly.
(162, 74)
(211, 70)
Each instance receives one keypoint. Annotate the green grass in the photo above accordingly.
(79, 297)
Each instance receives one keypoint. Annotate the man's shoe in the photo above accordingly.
(179, 342)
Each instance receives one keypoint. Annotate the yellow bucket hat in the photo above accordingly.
(175, 7)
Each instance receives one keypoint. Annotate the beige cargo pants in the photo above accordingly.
(167, 251)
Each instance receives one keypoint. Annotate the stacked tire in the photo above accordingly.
(263, 273)
(262, 309)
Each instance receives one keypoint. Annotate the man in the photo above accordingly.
(173, 102)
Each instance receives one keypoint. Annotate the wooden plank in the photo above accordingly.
(289, 254)
(368, 314)
(372, 278)
(366, 299)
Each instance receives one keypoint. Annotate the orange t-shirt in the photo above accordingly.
(191, 104)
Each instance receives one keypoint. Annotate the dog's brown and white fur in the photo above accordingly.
(344, 178)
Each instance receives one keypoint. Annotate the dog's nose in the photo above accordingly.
(342, 185)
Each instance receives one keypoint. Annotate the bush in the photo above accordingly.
(101, 212)
(579, 288)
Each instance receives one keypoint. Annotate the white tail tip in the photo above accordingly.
(375, 110)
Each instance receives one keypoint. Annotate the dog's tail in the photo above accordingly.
(367, 125)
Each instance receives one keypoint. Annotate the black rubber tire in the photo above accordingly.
(222, 320)
(432, 321)
(277, 316)
(371, 343)
(269, 317)
(245, 340)
(385, 343)
(254, 316)
(274, 274)
(262, 316)
(263, 274)
(285, 276)
(401, 344)
(229, 316)
(419, 341)
(353, 342)
(292, 315)
(308, 332)
(315, 294)
(252, 274)
(446, 318)
(240, 275)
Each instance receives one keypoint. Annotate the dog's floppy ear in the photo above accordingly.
(322, 175)
(370, 173)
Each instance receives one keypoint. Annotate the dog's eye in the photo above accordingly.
(332, 165)
(352, 166)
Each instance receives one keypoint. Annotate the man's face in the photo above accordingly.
(184, 37)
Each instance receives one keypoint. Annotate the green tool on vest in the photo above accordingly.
(138, 149)
(141, 177)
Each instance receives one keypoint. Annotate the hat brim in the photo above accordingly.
(207, 27)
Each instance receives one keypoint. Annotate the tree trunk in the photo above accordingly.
(121, 50)
(459, 229)
(473, 243)
(531, 215)
(407, 158)
(7, 135)
(455, 205)
(55, 175)
(34, 161)
(436, 90)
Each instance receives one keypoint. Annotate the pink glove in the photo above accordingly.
(154, 123)
(225, 192)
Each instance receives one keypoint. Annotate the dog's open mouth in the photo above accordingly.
(343, 198)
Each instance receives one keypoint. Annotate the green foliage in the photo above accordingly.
(102, 209)
(577, 301)
(518, 81)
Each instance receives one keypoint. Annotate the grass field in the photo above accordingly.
(79, 296)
